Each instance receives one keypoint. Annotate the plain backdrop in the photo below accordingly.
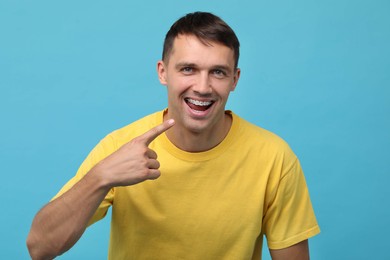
(314, 72)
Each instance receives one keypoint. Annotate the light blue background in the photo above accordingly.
(314, 72)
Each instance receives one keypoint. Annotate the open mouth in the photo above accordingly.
(198, 105)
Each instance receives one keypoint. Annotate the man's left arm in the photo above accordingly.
(298, 251)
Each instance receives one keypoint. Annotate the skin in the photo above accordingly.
(298, 251)
(58, 225)
(193, 70)
(204, 73)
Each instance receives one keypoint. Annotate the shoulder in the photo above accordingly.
(263, 145)
(261, 137)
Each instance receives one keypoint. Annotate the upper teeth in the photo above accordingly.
(199, 103)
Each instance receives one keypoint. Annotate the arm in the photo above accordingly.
(58, 225)
(291, 220)
(298, 251)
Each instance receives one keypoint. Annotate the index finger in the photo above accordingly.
(153, 133)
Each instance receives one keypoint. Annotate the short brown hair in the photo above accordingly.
(207, 28)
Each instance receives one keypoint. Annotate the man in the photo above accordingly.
(219, 183)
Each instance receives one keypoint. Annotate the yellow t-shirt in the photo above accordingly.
(216, 204)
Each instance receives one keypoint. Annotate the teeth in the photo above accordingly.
(199, 103)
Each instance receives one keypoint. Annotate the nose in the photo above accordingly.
(203, 85)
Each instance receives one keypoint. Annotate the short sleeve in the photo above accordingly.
(103, 149)
(290, 218)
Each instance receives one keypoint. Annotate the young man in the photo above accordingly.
(219, 183)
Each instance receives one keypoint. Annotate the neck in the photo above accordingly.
(199, 141)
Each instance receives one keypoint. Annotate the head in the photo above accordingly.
(199, 69)
(208, 28)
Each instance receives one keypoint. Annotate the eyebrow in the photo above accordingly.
(184, 64)
(193, 65)
(222, 67)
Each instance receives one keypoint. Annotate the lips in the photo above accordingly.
(198, 105)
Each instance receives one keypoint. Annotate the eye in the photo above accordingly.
(187, 70)
(219, 73)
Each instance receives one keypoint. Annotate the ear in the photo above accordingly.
(236, 77)
(161, 72)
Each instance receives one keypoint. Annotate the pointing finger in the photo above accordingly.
(153, 133)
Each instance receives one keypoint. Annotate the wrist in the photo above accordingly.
(97, 179)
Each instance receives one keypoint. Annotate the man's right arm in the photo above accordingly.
(59, 225)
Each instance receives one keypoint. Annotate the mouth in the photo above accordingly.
(198, 105)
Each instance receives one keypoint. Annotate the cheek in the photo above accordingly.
(223, 89)
(180, 84)
(185, 81)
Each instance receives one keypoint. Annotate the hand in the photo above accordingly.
(134, 162)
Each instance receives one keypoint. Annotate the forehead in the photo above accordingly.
(188, 48)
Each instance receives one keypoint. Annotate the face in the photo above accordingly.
(199, 79)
